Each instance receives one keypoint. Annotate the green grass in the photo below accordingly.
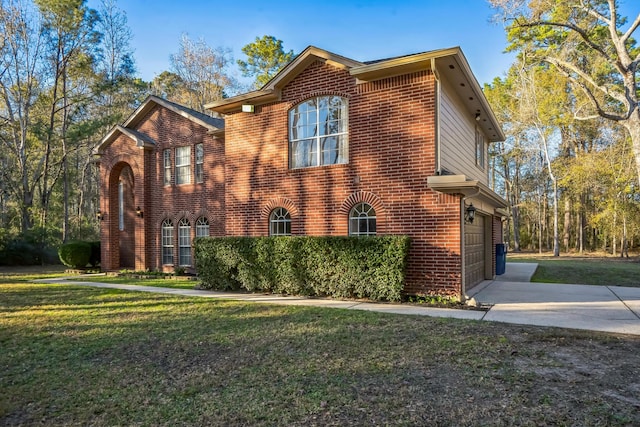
(159, 282)
(586, 271)
(87, 356)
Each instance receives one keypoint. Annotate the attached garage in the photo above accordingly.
(478, 237)
(474, 251)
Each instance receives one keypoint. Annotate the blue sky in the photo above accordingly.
(362, 30)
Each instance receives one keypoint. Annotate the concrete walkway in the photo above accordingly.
(512, 298)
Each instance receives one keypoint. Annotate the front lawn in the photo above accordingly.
(611, 271)
(88, 356)
(177, 283)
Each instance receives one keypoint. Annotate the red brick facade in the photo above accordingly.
(391, 154)
(392, 151)
(138, 244)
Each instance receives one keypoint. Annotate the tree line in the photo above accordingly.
(570, 166)
(67, 76)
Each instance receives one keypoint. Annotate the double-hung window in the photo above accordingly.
(184, 242)
(167, 241)
(199, 171)
(318, 132)
(167, 166)
(183, 165)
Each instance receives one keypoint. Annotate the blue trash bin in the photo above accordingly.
(501, 258)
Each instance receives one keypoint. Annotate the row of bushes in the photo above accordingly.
(32, 247)
(80, 254)
(339, 267)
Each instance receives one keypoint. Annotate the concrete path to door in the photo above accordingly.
(511, 298)
(514, 299)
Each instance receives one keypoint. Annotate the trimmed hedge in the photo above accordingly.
(79, 254)
(340, 267)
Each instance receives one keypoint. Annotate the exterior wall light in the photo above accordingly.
(99, 215)
(139, 212)
(248, 108)
(470, 213)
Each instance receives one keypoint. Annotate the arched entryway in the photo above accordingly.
(122, 222)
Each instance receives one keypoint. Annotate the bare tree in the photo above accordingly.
(203, 72)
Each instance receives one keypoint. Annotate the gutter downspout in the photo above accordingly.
(463, 251)
(437, 116)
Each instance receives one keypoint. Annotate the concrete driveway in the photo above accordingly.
(514, 299)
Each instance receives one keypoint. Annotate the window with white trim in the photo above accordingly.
(167, 166)
(199, 171)
(167, 241)
(184, 242)
(202, 227)
(318, 132)
(121, 205)
(362, 220)
(280, 222)
(183, 165)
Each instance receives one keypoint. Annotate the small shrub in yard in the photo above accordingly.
(342, 267)
(75, 254)
(94, 259)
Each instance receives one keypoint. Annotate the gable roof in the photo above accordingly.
(213, 125)
(449, 62)
(271, 91)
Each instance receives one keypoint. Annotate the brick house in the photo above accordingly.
(330, 146)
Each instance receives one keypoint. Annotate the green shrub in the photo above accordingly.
(94, 259)
(341, 267)
(75, 254)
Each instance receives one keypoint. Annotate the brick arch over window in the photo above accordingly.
(280, 202)
(316, 94)
(365, 197)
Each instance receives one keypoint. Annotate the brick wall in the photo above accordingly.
(157, 201)
(391, 154)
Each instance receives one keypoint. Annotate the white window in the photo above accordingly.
(183, 165)
(167, 167)
(184, 242)
(362, 220)
(479, 148)
(280, 222)
(202, 227)
(318, 132)
(199, 172)
(120, 205)
(167, 241)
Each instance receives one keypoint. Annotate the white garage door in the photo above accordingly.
(474, 255)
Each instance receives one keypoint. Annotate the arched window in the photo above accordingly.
(362, 220)
(202, 227)
(280, 222)
(121, 205)
(167, 241)
(184, 242)
(318, 132)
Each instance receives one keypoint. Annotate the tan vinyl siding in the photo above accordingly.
(458, 136)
